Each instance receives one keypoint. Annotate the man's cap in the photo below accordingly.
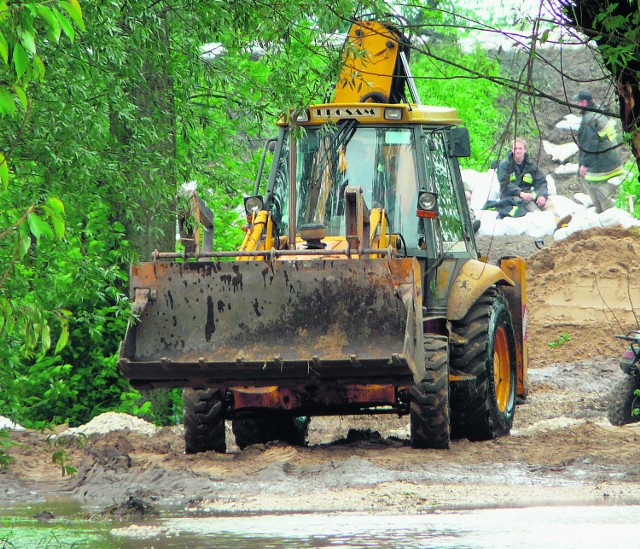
(583, 95)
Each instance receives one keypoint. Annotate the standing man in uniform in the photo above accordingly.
(600, 163)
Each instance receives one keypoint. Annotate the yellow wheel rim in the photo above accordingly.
(502, 369)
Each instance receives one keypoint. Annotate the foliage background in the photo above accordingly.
(111, 108)
(120, 109)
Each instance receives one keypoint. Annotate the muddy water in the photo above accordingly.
(555, 527)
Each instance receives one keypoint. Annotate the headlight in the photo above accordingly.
(253, 204)
(427, 204)
(392, 114)
(302, 116)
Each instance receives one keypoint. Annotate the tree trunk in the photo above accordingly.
(152, 94)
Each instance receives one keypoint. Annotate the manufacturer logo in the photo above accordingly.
(347, 112)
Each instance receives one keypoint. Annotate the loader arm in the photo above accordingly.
(375, 65)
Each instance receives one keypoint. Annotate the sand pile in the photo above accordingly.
(581, 292)
(113, 421)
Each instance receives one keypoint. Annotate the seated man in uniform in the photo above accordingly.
(523, 187)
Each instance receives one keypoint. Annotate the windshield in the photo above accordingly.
(379, 160)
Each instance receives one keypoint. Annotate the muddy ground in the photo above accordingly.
(561, 449)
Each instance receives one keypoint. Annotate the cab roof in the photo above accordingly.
(373, 113)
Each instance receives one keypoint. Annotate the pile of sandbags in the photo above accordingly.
(587, 218)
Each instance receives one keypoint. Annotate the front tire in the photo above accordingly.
(483, 408)
(623, 401)
(429, 407)
(204, 428)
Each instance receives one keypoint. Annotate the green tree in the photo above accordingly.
(130, 110)
(441, 85)
(29, 222)
(615, 28)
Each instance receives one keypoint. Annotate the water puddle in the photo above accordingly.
(532, 527)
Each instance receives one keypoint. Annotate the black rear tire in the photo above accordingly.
(204, 414)
(483, 408)
(429, 407)
(260, 428)
(374, 97)
(623, 401)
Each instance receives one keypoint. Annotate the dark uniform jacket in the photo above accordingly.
(597, 141)
(526, 177)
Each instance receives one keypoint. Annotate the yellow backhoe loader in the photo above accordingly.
(358, 288)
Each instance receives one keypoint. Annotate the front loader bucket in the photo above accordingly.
(275, 323)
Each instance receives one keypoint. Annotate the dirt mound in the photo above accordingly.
(581, 292)
(597, 250)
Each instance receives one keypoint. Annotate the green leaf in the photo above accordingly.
(64, 337)
(96, 246)
(38, 226)
(53, 25)
(5, 311)
(46, 338)
(25, 244)
(7, 105)
(38, 67)
(23, 229)
(66, 25)
(35, 225)
(21, 95)
(4, 172)
(58, 226)
(4, 49)
(56, 205)
(55, 208)
(20, 60)
(72, 7)
(9, 322)
(28, 40)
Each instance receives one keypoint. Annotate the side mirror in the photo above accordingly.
(459, 143)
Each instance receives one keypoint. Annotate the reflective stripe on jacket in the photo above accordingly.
(595, 177)
(515, 179)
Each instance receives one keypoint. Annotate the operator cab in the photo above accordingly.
(392, 164)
